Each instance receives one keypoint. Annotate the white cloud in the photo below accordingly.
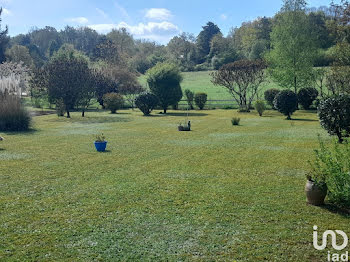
(78, 20)
(223, 16)
(122, 11)
(161, 32)
(158, 14)
(6, 12)
(101, 12)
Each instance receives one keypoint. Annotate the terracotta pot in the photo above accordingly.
(315, 194)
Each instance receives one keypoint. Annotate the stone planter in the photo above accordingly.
(315, 194)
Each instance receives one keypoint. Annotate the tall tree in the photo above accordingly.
(204, 38)
(294, 46)
(3, 40)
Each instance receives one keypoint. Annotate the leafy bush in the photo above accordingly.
(164, 81)
(235, 121)
(113, 101)
(202, 67)
(146, 103)
(189, 98)
(200, 99)
(13, 116)
(306, 96)
(260, 107)
(332, 165)
(286, 102)
(270, 95)
(100, 138)
(334, 114)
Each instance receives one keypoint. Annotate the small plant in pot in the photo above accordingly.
(100, 143)
(315, 189)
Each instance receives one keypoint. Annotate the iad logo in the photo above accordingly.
(333, 235)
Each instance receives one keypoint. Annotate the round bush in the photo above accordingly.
(146, 103)
(286, 102)
(270, 95)
(200, 99)
(113, 102)
(260, 107)
(306, 96)
(334, 114)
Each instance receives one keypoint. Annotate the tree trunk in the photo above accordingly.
(288, 117)
(83, 113)
(340, 138)
(165, 110)
(68, 115)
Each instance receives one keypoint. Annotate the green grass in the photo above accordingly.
(201, 82)
(218, 193)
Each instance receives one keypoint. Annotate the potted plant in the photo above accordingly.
(100, 143)
(315, 189)
(185, 126)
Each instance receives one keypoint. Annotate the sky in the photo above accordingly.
(157, 20)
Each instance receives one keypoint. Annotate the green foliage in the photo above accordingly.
(4, 39)
(334, 114)
(189, 98)
(306, 96)
(60, 107)
(286, 102)
(259, 106)
(146, 103)
(200, 99)
(164, 81)
(204, 39)
(235, 121)
(100, 138)
(270, 95)
(332, 166)
(113, 101)
(294, 47)
(13, 115)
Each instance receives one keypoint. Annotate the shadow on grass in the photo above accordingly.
(113, 118)
(185, 114)
(2, 149)
(336, 210)
(30, 131)
(304, 120)
(104, 152)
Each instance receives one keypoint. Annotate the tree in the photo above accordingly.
(306, 96)
(200, 99)
(113, 101)
(146, 103)
(334, 114)
(66, 76)
(286, 102)
(294, 46)
(3, 40)
(189, 98)
(270, 95)
(204, 38)
(164, 81)
(242, 79)
(19, 53)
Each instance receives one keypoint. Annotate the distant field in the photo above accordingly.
(200, 82)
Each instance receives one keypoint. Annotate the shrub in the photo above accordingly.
(60, 107)
(260, 107)
(164, 81)
(200, 100)
(270, 95)
(146, 103)
(189, 98)
(113, 101)
(13, 116)
(306, 96)
(286, 102)
(334, 114)
(332, 165)
(235, 121)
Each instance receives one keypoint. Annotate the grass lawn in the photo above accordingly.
(218, 193)
(201, 82)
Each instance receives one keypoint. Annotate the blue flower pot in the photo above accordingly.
(101, 146)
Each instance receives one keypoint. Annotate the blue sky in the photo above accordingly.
(158, 20)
